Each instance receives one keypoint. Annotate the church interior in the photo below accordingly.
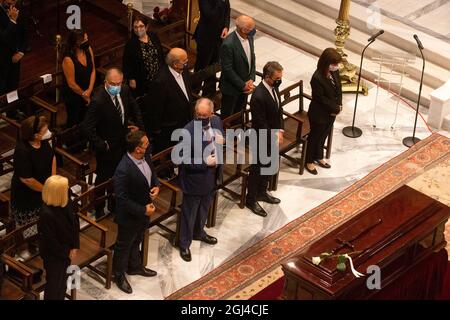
(382, 206)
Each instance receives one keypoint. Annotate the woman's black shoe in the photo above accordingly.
(314, 171)
(326, 165)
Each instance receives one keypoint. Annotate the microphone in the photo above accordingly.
(376, 35)
(418, 42)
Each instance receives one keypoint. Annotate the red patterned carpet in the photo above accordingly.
(265, 256)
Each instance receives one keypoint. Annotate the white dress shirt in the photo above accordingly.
(269, 88)
(179, 79)
(246, 46)
(143, 167)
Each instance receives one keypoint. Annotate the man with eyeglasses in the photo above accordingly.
(112, 114)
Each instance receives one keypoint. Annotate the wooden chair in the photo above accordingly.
(10, 290)
(90, 251)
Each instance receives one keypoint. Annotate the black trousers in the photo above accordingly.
(207, 54)
(316, 140)
(194, 212)
(10, 76)
(232, 104)
(106, 166)
(56, 278)
(127, 256)
(257, 182)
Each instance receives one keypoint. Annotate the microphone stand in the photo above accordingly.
(352, 131)
(410, 141)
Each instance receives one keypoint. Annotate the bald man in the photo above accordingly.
(199, 179)
(171, 107)
(237, 59)
(113, 113)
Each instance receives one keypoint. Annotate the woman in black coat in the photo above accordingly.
(142, 58)
(59, 237)
(326, 103)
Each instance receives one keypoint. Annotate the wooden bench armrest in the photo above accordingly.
(23, 270)
(290, 115)
(12, 122)
(169, 186)
(43, 104)
(72, 158)
(92, 223)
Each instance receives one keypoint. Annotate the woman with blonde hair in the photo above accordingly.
(58, 234)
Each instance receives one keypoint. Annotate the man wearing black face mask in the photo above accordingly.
(267, 115)
(199, 177)
(171, 108)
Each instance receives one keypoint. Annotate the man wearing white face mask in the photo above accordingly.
(325, 105)
(112, 114)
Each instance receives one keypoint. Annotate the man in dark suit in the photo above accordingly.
(200, 173)
(237, 59)
(211, 30)
(172, 106)
(135, 185)
(267, 118)
(12, 45)
(111, 114)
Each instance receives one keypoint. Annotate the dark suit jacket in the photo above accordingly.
(103, 123)
(12, 37)
(169, 108)
(325, 98)
(133, 63)
(199, 179)
(214, 17)
(266, 114)
(58, 231)
(132, 192)
(234, 64)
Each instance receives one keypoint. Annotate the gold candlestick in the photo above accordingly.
(347, 71)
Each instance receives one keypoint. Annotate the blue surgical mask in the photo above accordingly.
(252, 33)
(205, 122)
(113, 90)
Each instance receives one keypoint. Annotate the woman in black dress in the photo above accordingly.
(79, 76)
(326, 103)
(34, 162)
(58, 234)
(142, 58)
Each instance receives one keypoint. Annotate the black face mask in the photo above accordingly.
(205, 121)
(277, 83)
(84, 45)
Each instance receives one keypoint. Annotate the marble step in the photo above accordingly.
(322, 25)
(396, 33)
(314, 44)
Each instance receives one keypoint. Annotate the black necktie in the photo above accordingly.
(119, 109)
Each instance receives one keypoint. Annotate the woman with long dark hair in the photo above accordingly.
(79, 75)
(326, 103)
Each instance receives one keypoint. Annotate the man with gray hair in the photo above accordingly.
(199, 178)
(267, 118)
(237, 59)
(171, 107)
(113, 112)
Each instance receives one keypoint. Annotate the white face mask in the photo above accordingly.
(334, 67)
(140, 33)
(47, 135)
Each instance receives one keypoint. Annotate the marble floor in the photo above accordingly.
(236, 228)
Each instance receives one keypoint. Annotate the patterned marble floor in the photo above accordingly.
(236, 228)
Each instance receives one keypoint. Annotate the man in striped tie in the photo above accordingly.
(112, 114)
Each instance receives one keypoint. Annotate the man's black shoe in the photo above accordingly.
(143, 272)
(323, 165)
(185, 254)
(268, 198)
(256, 208)
(123, 284)
(206, 238)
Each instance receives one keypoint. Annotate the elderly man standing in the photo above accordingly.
(237, 59)
(112, 114)
(170, 107)
(199, 177)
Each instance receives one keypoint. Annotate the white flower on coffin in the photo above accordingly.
(352, 267)
(316, 260)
